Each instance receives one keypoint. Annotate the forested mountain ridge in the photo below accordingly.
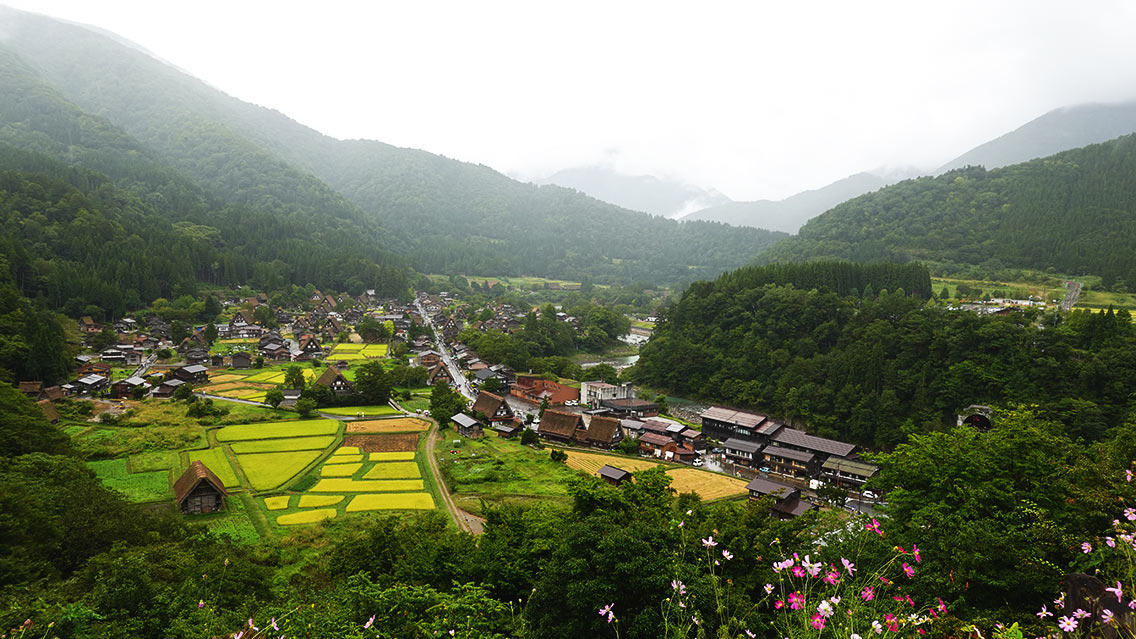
(1058, 130)
(822, 344)
(1074, 212)
(445, 215)
(664, 197)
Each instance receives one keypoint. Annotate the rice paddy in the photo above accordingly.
(277, 503)
(391, 501)
(360, 411)
(138, 487)
(317, 501)
(367, 486)
(306, 517)
(284, 445)
(216, 461)
(266, 471)
(272, 430)
(396, 425)
(340, 470)
(396, 456)
(393, 470)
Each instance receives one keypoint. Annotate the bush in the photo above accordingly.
(558, 455)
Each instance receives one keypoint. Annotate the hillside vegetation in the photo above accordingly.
(1074, 212)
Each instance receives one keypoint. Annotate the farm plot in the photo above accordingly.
(228, 377)
(268, 377)
(590, 462)
(348, 348)
(394, 470)
(390, 456)
(272, 430)
(306, 517)
(395, 425)
(383, 443)
(284, 445)
(269, 470)
(276, 503)
(342, 470)
(709, 486)
(357, 411)
(216, 461)
(138, 487)
(319, 501)
(367, 486)
(391, 501)
(234, 522)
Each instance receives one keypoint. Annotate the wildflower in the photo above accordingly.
(1116, 591)
(751, 635)
(1110, 542)
(908, 570)
(874, 527)
(709, 542)
(892, 622)
(915, 551)
(606, 609)
(942, 607)
(813, 568)
(727, 555)
(831, 577)
(878, 627)
(868, 593)
(1086, 547)
(1068, 624)
(835, 601)
(369, 623)
(252, 626)
(777, 605)
(679, 586)
(1043, 613)
(885, 580)
(849, 566)
(695, 620)
(1106, 617)
(853, 636)
(1130, 514)
(689, 511)
(1059, 602)
(768, 588)
(1132, 605)
(681, 523)
(1080, 614)
(796, 600)
(451, 632)
(200, 604)
(1128, 475)
(239, 635)
(824, 609)
(819, 621)
(717, 563)
(798, 571)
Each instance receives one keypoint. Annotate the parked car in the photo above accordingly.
(698, 461)
(870, 495)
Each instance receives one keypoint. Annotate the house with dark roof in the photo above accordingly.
(440, 373)
(167, 388)
(195, 374)
(49, 411)
(654, 443)
(241, 360)
(630, 407)
(725, 423)
(847, 473)
(466, 425)
(603, 432)
(787, 502)
(802, 441)
(31, 389)
(124, 388)
(493, 407)
(612, 475)
(789, 461)
(199, 491)
(334, 379)
(560, 426)
(742, 451)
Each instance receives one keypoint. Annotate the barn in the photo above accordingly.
(199, 491)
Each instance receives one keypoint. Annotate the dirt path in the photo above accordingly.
(466, 521)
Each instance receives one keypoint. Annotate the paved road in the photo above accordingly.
(467, 522)
(1073, 291)
(455, 370)
(146, 364)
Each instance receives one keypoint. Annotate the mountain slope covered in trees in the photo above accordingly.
(664, 197)
(445, 215)
(1074, 212)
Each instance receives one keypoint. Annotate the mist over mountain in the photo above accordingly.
(658, 196)
(1059, 130)
(443, 215)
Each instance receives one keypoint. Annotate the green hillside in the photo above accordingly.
(444, 215)
(1074, 212)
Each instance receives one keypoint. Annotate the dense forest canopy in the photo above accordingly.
(444, 216)
(877, 365)
(1074, 212)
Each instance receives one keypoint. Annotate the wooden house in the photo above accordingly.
(493, 407)
(466, 425)
(49, 411)
(560, 426)
(242, 360)
(124, 388)
(441, 372)
(334, 379)
(310, 345)
(612, 475)
(787, 502)
(603, 432)
(195, 374)
(199, 491)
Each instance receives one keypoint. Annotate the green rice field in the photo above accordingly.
(138, 487)
(367, 411)
(272, 430)
(394, 470)
(284, 445)
(216, 461)
(369, 486)
(391, 501)
(266, 471)
(306, 517)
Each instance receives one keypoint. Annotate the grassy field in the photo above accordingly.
(305, 428)
(160, 412)
(266, 471)
(284, 445)
(114, 441)
(138, 487)
(216, 461)
(495, 468)
(234, 522)
(391, 501)
(365, 411)
(154, 460)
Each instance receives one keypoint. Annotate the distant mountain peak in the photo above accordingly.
(661, 196)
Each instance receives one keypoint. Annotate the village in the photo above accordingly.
(283, 437)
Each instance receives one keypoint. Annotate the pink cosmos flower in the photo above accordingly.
(908, 570)
(200, 603)
(1086, 547)
(768, 588)
(813, 568)
(831, 578)
(709, 542)
(868, 593)
(1059, 602)
(1130, 514)
(1068, 624)
(798, 571)
(824, 609)
(915, 551)
(796, 600)
(1106, 617)
(727, 555)
(892, 622)
(849, 566)
(1080, 614)
(1128, 475)
(819, 622)
(1043, 613)
(369, 623)
(777, 605)
(874, 527)
(1116, 591)
(606, 610)
(1110, 542)
(878, 627)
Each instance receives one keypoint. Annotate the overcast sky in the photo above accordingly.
(756, 99)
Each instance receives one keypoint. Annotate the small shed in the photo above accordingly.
(466, 425)
(199, 491)
(612, 475)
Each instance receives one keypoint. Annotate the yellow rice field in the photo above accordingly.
(391, 501)
(709, 486)
(397, 425)
(306, 517)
